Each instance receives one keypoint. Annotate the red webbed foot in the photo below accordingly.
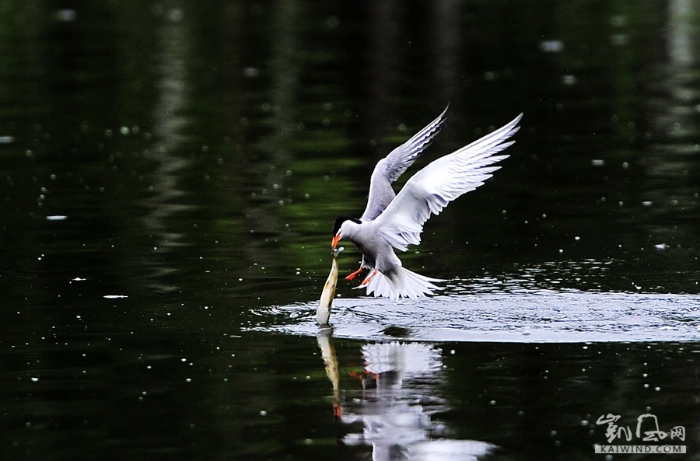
(371, 276)
(354, 274)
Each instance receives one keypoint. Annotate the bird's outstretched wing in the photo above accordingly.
(393, 165)
(436, 185)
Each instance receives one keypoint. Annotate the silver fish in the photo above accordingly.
(323, 313)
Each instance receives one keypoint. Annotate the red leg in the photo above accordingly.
(337, 411)
(354, 274)
(371, 276)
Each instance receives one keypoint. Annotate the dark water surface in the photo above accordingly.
(170, 172)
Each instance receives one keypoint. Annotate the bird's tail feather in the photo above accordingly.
(399, 283)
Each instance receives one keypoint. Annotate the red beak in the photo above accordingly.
(336, 239)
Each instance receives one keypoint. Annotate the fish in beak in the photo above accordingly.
(323, 312)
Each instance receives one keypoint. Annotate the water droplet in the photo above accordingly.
(551, 46)
(251, 72)
(66, 15)
(568, 80)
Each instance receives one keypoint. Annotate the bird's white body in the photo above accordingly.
(395, 221)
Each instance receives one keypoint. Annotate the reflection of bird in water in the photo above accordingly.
(393, 221)
(397, 402)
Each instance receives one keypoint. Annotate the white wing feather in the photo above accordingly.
(391, 167)
(403, 156)
(436, 185)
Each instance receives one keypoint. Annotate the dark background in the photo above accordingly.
(170, 171)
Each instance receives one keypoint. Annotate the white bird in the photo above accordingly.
(393, 221)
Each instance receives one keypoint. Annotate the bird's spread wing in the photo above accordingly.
(403, 156)
(436, 185)
(393, 165)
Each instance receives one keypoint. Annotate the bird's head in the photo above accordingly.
(343, 226)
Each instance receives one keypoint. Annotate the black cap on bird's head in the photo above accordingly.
(339, 222)
(336, 228)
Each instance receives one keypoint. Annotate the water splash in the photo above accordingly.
(542, 316)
